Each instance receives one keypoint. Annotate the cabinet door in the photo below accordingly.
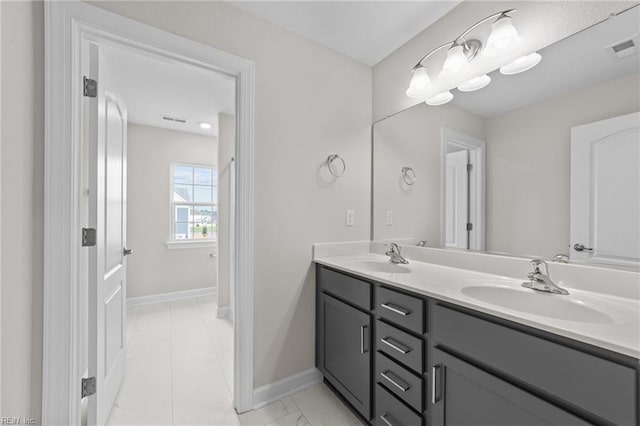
(346, 337)
(465, 395)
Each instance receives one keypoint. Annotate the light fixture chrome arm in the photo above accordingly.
(480, 22)
(461, 36)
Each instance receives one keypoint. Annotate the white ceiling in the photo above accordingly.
(153, 87)
(366, 31)
(582, 60)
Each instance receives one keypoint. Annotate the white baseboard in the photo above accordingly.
(167, 297)
(224, 311)
(272, 392)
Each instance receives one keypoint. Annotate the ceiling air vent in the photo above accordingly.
(625, 48)
(174, 119)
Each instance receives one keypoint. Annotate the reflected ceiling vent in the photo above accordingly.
(174, 119)
(625, 48)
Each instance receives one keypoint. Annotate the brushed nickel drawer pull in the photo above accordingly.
(396, 346)
(362, 336)
(387, 421)
(396, 309)
(385, 375)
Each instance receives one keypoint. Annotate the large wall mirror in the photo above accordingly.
(536, 164)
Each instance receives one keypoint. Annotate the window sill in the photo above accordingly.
(191, 244)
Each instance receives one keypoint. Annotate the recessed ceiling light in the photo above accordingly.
(204, 125)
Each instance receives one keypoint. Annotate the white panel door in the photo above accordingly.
(456, 200)
(605, 191)
(107, 265)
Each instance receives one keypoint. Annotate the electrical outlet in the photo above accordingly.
(389, 219)
(350, 218)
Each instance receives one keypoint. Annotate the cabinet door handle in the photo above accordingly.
(362, 336)
(396, 309)
(387, 419)
(396, 346)
(436, 379)
(385, 375)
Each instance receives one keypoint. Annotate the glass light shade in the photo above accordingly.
(522, 64)
(475, 83)
(503, 38)
(420, 83)
(439, 99)
(456, 59)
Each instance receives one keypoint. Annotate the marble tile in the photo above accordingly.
(293, 419)
(269, 413)
(321, 407)
(225, 416)
(196, 396)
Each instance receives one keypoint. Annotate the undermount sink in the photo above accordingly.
(538, 303)
(383, 266)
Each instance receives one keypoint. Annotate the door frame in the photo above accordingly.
(477, 158)
(66, 25)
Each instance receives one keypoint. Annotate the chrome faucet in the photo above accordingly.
(394, 254)
(539, 280)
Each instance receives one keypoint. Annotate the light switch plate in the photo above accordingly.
(350, 218)
(389, 218)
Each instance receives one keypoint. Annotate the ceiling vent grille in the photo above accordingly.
(174, 119)
(625, 48)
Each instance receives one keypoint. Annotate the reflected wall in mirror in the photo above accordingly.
(525, 122)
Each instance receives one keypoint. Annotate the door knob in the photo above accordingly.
(127, 251)
(581, 247)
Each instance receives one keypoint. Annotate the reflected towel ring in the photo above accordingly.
(408, 175)
(330, 160)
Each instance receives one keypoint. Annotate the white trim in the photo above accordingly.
(191, 244)
(174, 295)
(66, 25)
(223, 311)
(478, 179)
(265, 395)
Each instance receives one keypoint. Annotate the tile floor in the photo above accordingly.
(179, 372)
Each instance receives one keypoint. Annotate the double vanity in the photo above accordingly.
(426, 344)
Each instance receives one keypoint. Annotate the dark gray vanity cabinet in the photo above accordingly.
(466, 395)
(400, 359)
(344, 327)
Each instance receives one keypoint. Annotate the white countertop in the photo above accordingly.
(615, 324)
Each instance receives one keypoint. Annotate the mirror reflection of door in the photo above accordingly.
(605, 191)
(462, 189)
(457, 198)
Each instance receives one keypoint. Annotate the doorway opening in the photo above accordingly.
(77, 37)
(462, 191)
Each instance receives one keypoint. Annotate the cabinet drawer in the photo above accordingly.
(597, 385)
(345, 287)
(400, 381)
(391, 412)
(400, 346)
(401, 309)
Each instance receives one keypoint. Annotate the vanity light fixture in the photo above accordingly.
(476, 83)
(502, 40)
(439, 99)
(522, 64)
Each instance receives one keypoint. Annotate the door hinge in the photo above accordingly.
(469, 226)
(90, 87)
(88, 386)
(88, 237)
(469, 167)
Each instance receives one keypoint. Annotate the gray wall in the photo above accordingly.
(310, 102)
(154, 269)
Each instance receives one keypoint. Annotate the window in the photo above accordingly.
(194, 198)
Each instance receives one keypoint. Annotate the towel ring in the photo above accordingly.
(331, 159)
(408, 175)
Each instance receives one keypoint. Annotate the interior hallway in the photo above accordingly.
(180, 372)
